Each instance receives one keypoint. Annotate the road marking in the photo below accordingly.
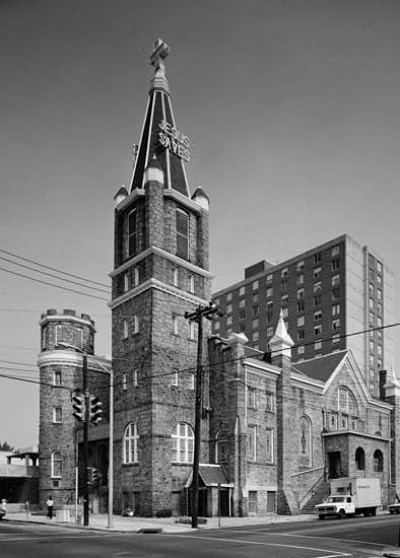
(265, 544)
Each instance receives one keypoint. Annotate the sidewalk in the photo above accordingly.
(155, 525)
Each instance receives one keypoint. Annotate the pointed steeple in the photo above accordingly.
(160, 136)
(281, 342)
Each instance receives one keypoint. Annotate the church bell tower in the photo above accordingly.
(161, 271)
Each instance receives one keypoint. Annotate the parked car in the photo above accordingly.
(394, 508)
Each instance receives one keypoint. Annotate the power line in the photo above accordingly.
(53, 268)
(54, 276)
(52, 284)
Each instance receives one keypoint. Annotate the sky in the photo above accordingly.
(291, 107)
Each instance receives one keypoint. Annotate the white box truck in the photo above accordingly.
(350, 496)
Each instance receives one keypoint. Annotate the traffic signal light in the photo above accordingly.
(95, 411)
(78, 405)
(95, 476)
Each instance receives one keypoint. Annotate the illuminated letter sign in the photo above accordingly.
(174, 140)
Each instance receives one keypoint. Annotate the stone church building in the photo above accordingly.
(272, 433)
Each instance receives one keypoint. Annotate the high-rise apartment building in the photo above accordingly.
(335, 296)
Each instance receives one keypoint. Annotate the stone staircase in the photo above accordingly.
(318, 494)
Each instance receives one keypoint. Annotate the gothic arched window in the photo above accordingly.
(221, 447)
(130, 444)
(182, 443)
(346, 401)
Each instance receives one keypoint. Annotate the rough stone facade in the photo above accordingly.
(305, 431)
(60, 377)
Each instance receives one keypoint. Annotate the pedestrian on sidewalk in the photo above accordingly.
(50, 507)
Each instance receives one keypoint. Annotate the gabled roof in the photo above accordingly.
(212, 475)
(320, 368)
(160, 136)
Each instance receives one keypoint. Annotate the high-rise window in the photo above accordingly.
(182, 234)
(317, 287)
(318, 329)
(318, 345)
(335, 309)
(300, 321)
(317, 272)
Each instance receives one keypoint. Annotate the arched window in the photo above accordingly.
(360, 459)
(182, 443)
(221, 447)
(378, 461)
(182, 234)
(130, 444)
(56, 465)
(305, 440)
(346, 401)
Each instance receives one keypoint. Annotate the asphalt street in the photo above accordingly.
(360, 538)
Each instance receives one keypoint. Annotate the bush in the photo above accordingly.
(188, 520)
(164, 513)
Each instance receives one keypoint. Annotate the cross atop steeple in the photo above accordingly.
(160, 52)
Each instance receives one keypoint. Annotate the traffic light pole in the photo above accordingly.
(85, 441)
(197, 316)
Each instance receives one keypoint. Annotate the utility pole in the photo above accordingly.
(85, 440)
(197, 316)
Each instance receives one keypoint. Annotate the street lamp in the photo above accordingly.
(111, 424)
